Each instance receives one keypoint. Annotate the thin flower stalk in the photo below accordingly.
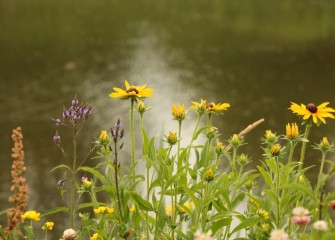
(304, 144)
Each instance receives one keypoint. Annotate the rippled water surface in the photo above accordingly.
(256, 55)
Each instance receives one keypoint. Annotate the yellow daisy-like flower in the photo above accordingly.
(217, 108)
(178, 112)
(132, 91)
(31, 215)
(317, 113)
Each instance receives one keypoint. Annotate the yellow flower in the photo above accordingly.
(169, 210)
(187, 206)
(95, 236)
(86, 183)
(200, 107)
(132, 209)
(172, 138)
(178, 112)
(209, 175)
(217, 108)
(133, 92)
(266, 227)
(102, 209)
(292, 131)
(317, 113)
(275, 149)
(263, 213)
(219, 148)
(48, 226)
(31, 215)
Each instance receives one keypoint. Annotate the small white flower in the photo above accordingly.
(69, 234)
(300, 211)
(320, 226)
(279, 234)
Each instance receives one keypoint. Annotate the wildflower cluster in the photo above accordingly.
(193, 189)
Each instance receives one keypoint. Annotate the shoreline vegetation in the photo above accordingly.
(191, 191)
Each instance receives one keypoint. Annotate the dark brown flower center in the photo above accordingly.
(209, 105)
(132, 89)
(312, 108)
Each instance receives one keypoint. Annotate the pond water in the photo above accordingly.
(257, 56)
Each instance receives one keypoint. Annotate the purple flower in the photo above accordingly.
(75, 101)
(58, 122)
(56, 138)
(60, 183)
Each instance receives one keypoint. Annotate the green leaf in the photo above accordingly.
(95, 173)
(266, 176)
(302, 188)
(142, 204)
(220, 224)
(61, 166)
(248, 222)
(55, 210)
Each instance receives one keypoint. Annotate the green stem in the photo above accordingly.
(73, 178)
(319, 187)
(132, 132)
(278, 194)
(292, 144)
(117, 180)
(304, 144)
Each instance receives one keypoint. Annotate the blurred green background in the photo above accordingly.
(258, 55)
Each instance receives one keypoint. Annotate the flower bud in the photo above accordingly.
(178, 112)
(275, 149)
(324, 144)
(172, 138)
(236, 140)
(211, 133)
(242, 159)
(270, 137)
(292, 131)
(104, 139)
(219, 148)
(249, 185)
(209, 175)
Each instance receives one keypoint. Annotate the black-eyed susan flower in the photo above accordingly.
(132, 92)
(48, 226)
(292, 131)
(217, 108)
(316, 113)
(178, 112)
(31, 215)
(266, 227)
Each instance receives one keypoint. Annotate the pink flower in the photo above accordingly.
(303, 220)
(300, 216)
